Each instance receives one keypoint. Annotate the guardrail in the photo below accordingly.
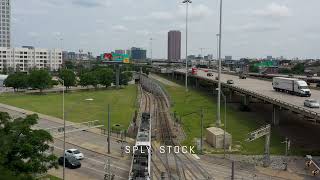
(298, 109)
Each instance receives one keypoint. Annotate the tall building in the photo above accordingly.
(26, 58)
(5, 18)
(138, 54)
(174, 45)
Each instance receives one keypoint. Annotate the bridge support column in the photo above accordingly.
(245, 101)
(197, 82)
(231, 93)
(275, 115)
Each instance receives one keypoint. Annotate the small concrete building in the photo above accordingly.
(215, 137)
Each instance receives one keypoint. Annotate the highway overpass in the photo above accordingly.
(262, 90)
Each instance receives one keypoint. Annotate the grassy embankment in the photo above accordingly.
(239, 124)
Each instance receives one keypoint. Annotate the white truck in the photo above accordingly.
(291, 86)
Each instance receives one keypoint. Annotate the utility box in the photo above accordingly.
(215, 138)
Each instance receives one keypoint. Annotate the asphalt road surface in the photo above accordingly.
(262, 87)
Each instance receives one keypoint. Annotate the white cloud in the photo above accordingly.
(143, 32)
(119, 28)
(33, 34)
(91, 3)
(254, 27)
(161, 16)
(129, 18)
(196, 12)
(274, 10)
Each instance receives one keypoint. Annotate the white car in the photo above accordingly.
(311, 103)
(75, 153)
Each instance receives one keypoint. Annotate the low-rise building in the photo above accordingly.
(24, 59)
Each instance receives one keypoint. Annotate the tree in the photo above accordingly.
(40, 79)
(88, 78)
(298, 68)
(23, 150)
(125, 77)
(105, 76)
(69, 64)
(16, 81)
(253, 68)
(68, 76)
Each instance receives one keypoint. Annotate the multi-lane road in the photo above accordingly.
(263, 88)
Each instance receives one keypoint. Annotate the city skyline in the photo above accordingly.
(250, 29)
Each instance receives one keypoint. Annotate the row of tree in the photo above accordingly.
(37, 79)
(42, 79)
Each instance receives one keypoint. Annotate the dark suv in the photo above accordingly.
(71, 162)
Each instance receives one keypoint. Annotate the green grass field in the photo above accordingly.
(78, 109)
(239, 124)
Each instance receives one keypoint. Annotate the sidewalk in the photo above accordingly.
(85, 145)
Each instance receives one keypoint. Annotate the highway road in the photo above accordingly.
(261, 87)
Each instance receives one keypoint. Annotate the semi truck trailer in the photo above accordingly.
(291, 86)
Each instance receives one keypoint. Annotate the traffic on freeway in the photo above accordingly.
(260, 87)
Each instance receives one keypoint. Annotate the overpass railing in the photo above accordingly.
(299, 109)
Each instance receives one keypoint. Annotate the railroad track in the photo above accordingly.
(175, 166)
(183, 167)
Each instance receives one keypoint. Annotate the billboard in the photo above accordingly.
(115, 58)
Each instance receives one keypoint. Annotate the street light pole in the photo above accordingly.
(187, 13)
(109, 128)
(219, 70)
(64, 132)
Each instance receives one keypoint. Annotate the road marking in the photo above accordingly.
(94, 160)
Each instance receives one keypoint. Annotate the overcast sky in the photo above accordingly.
(251, 28)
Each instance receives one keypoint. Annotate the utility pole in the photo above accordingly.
(108, 128)
(117, 76)
(232, 171)
(219, 69)
(201, 130)
(151, 48)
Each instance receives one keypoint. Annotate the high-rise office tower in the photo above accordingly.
(174, 45)
(5, 18)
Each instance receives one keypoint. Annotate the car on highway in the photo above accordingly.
(75, 153)
(209, 74)
(311, 103)
(71, 162)
(230, 82)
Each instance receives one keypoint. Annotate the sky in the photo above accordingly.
(250, 28)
